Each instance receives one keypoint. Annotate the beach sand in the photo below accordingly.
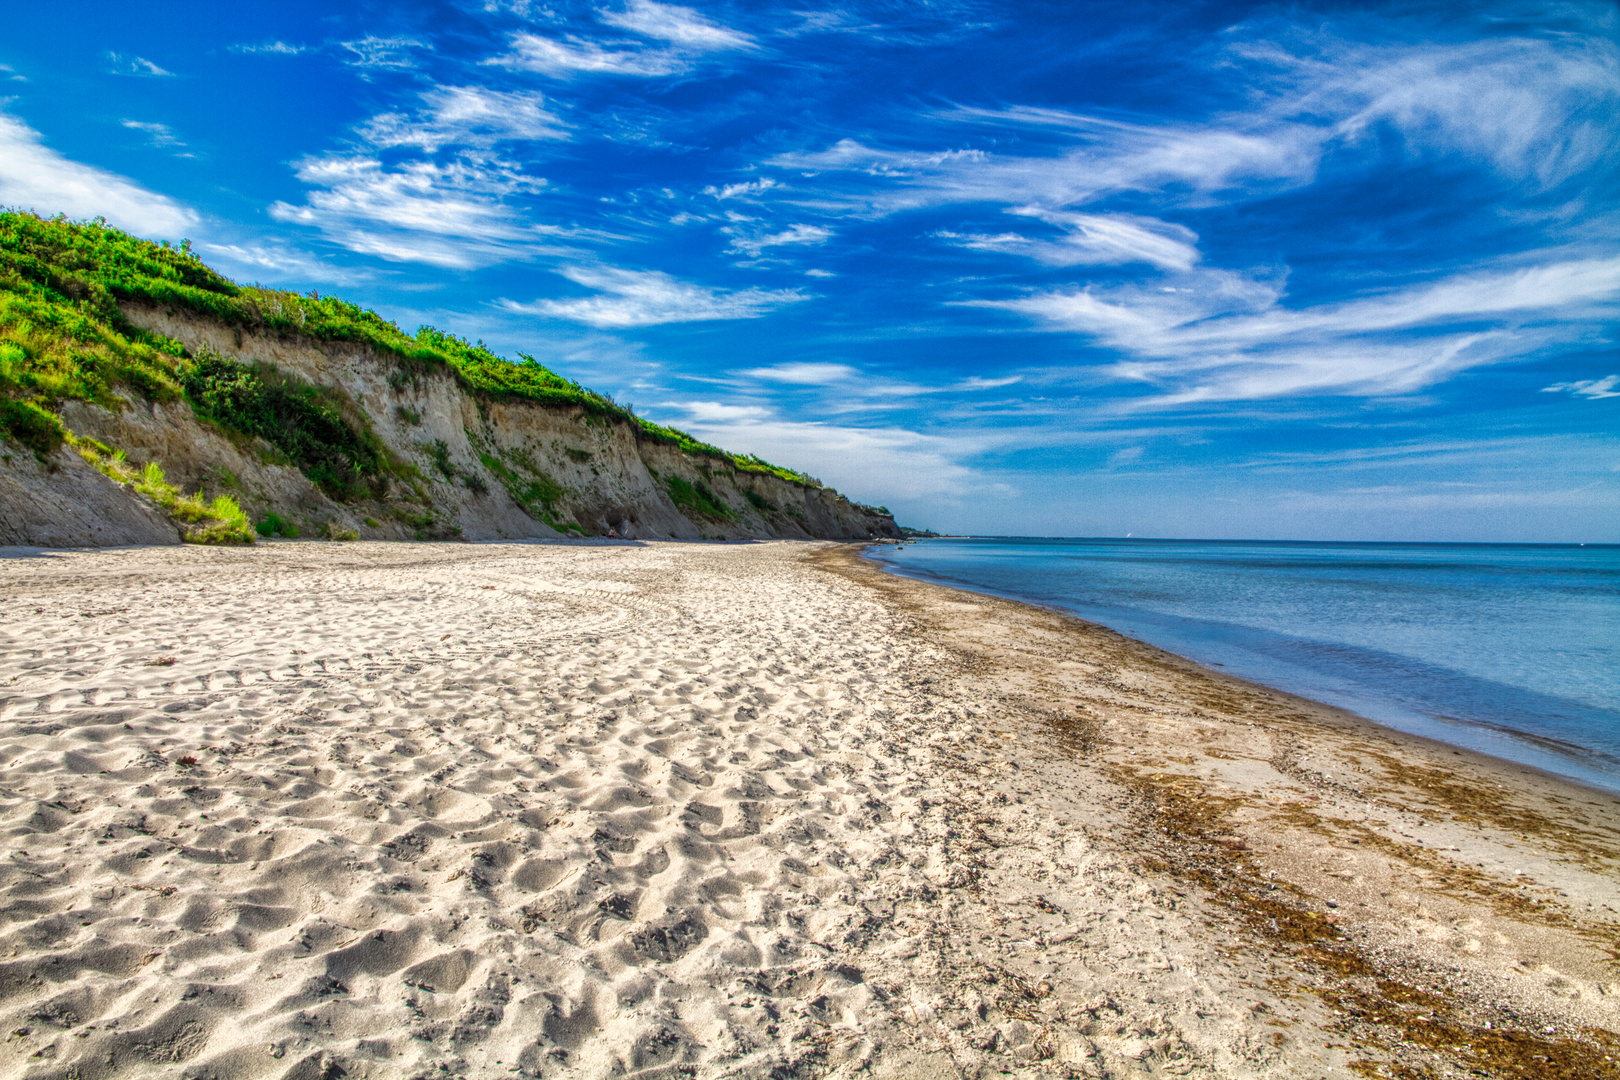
(416, 810)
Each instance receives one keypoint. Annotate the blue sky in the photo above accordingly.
(1055, 269)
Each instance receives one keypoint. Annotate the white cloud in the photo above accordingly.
(805, 374)
(1606, 387)
(1114, 157)
(454, 210)
(689, 36)
(1092, 239)
(750, 187)
(272, 48)
(1219, 335)
(11, 73)
(139, 66)
(711, 412)
(255, 260)
(381, 52)
(680, 26)
(160, 134)
(35, 177)
(531, 52)
(877, 464)
(753, 243)
(1537, 107)
(630, 298)
(452, 215)
(466, 116)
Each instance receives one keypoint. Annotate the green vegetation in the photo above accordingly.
(62, 336)
(218, 521)
(696, 496)
(760, 502)
(532, 487)
(337, 452)
(276, 525)
(31, 425)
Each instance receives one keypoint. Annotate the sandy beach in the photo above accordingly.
(315, 810)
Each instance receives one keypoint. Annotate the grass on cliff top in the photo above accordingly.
(62, 336)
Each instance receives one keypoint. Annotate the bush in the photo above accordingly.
(696, 496)
(304, 422)
(31, 425)
(276, 525)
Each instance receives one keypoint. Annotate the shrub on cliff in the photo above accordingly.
(302, 421)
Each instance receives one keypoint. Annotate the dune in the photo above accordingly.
(658, 809)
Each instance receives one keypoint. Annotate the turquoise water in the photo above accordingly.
(1509, 649)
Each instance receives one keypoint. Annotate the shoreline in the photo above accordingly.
(1340, 925)
(1548, 745)
(736, 811)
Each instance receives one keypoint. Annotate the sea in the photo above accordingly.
(1512, 650)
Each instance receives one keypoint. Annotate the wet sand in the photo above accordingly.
(737, 810)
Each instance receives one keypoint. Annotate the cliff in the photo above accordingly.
(282, 422)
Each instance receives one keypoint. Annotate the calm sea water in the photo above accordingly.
(1513, 650)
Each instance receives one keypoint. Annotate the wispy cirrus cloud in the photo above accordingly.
(683, 27)
(1595, 389)
(746, 187)
(384, 52)
(531, 52)
(632, 298)
(1091, 240)
(466, 116)
(685, 36)
(1218, 335)
(35, 177)
(458, 204)
(1531, 107)
(161, 135)
(805, 374)
(454, 215)
(256, 260)
(860, 461)
(138, 66)
(270, 48)
(753, 241)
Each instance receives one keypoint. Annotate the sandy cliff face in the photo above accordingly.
(473, 467)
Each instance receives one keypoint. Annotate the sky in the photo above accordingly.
(1052, 269)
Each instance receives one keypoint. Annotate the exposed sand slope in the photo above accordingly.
(421, 810)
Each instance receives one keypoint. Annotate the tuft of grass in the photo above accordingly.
(760, 502)
(337, 531)
(217, 521)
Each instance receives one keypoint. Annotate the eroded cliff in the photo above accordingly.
(460, 463)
